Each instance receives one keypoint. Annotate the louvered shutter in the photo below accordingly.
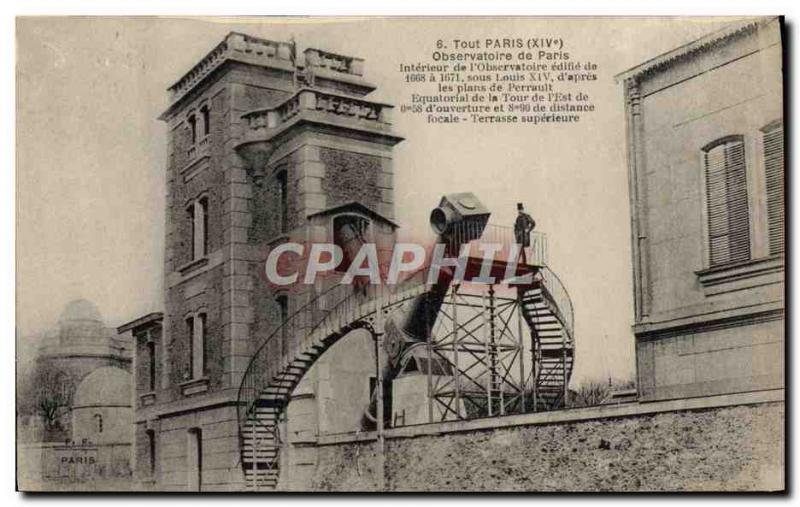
(773, 166)
(726, 198)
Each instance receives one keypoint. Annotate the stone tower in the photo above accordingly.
(265, 146)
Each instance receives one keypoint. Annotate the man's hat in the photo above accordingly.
(519, 206)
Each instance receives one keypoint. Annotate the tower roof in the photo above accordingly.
(280, 56)
(80, 310)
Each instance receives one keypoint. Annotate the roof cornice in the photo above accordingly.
(665, 60)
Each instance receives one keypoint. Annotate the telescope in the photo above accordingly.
(458, 219)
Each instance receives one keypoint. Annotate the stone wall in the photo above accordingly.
(141, 454)
(220, 450)
(745, 358)
(58, 467)
(351, 177)
(725, 448)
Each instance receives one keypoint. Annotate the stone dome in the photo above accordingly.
(108, 386)
(81, 310)
(81, 322)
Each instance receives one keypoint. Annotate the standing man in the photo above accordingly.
(522, 230)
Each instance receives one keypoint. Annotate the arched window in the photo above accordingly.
(98, 423)
(772, 140)
(349, 233)
(726, 201)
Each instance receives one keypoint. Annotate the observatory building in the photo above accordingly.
(81, 370)
(265, 146)
(238, 380)
(705, 158)
(69, 353)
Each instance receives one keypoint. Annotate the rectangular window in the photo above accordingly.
(198, 216)
(191, 330)
(283, 196)
(283, 314)
(151, 445)
(193, 128)
(206, 114)
(151, 367)
(773, 167)
(727, 204)
(198, 346)
(193, 232)
(203, 205)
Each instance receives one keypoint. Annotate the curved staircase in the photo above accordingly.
(547, 309)
(292, 348)
(273, 373)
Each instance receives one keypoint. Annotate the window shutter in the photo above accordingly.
(726, 198)
(773, 166)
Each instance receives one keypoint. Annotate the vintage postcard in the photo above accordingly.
(442, 254)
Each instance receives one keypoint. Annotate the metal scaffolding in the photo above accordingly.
(477, 356)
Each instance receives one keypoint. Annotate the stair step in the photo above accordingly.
(536, 307)
(548, 332)
(260, 435)
(260, 468)
(263, 402)
(276, 389)
(550, 336)
(545, 321)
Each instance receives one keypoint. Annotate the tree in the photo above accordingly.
(49, 395)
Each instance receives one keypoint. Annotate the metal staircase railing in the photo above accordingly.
(549, 295)
(291, 348)
(268, 356)
(337, 310)
(536, 252)
(559, 301)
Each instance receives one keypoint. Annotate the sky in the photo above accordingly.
(91, 156)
